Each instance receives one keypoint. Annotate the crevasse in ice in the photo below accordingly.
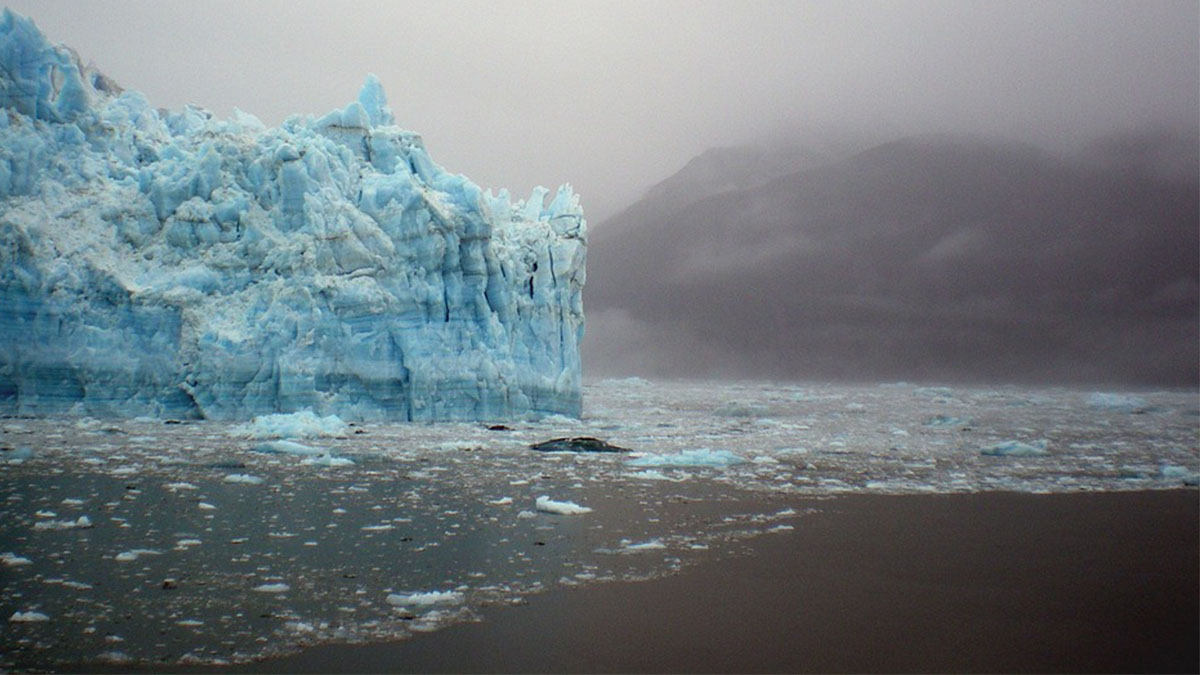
(169, 263)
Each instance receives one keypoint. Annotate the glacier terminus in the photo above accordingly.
(168, 263)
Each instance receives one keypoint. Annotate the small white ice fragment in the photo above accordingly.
(243, 478)
(27, 617)
(130, 556)
(425, 599)
(13, 560)
(205, 506)
(271, 588)
(652, 545)
(1016, 449)
(547, 505)
(82, 522)
(503, 501)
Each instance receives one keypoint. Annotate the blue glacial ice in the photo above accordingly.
(168, 263)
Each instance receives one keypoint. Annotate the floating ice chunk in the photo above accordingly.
(82, 522)
(288, 448)
(134, 554)
(272, 588)
(702, 457)
(184, 544)
(327, 460)
(1179, 473)
(1017, 449)
(18, 455)
(503, 501)
(243, 478)
(938, 421)
(303, 424)
(651, 545)
(189, 622)
(780, 528)
(71, 501)
(13, 560)
(28, 617)
(179, 486)
(1117, 402)
(425, 599)
(205, 506)
(650, 474)
(547, 505)
(525, 515)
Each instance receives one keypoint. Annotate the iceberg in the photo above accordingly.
(167, 263)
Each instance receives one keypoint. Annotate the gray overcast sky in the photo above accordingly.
(615, 96)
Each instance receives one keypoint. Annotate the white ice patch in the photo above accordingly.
(303, 424)
(425, 599)
(547, 505)
(327, 460)
(134, 554)
(1125, 403)
(13, 560)
(82, 522)
(28, 617)
(288, 448)
(272, 588)
(702, 457)
(1017, 449)
(243, 478)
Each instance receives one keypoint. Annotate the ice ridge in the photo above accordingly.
(168, 263)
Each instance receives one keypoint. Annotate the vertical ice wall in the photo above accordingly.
(169, 263)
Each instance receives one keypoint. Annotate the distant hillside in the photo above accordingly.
(936, 257)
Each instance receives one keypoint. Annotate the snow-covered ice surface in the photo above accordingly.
(195, 546)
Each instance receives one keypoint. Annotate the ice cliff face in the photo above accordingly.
(168, 263)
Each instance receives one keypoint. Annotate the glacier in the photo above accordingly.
(171, 264)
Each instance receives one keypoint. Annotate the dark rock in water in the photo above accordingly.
(577, 444)
(499, 427)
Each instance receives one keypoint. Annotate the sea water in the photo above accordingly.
(158, 541)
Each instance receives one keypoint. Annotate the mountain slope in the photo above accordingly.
(953, 258)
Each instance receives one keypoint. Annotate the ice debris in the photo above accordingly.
(134, 554)
(702, 457)
(302, 424)
(1017, 449)
(11, 559)
(244, 478)
(28, 617)
(1179, 473)
(1126, 403)
(272, 588)
(425, 599)
(172, 264)
(287, 448)
(547, 505)
(82, 522)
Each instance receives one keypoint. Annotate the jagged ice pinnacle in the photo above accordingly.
(168, 263)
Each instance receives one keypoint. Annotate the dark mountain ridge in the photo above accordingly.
(934, 257)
